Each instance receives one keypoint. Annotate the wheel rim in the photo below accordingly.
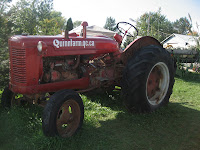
(68, 118)
(157, 83)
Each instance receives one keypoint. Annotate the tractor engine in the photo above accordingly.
(101, 70)
(62, 68)
(59, 68)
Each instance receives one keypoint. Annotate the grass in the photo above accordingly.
(107, 124)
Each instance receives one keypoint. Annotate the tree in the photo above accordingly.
(24, 17)
(154, 24)
(27, 15)
(4, 5)
(69, 25)
(110, 24)
(5, 24)
(44, 9)
(5, 31)
(194, 33)
(77, 23)
(52, 25)
(182, 26)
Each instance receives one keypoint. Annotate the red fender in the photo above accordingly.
(136, 45)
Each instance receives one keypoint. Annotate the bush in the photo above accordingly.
(4, 67)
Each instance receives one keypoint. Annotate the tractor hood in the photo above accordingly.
(55, 45)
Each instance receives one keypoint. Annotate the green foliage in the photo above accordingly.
(77, 23)
(154, 24)
(182, 26)
(157, 25)
(25, 17)
(4, 4)
(4, 70)
(69, 25)
(198, 44)
(195, 33)
(44, 9)
(127, 41)
(5, 24)
(5, 32)
(110, 24)
(52, 26)
(36, 17)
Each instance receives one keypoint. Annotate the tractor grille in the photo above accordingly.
(18, 65)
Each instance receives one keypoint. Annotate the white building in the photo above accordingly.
(179, 41)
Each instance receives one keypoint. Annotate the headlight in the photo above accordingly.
(41, 46)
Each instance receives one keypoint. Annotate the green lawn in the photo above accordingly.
(107, 124)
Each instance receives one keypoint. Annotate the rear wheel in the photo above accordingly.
(63, 114)
(148, 79)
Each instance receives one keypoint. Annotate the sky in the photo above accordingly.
(95, 12)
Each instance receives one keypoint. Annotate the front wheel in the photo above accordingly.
(63, 114)
(148, 79)
(7, 97)
(10, 99)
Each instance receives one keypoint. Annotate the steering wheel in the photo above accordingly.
(128, 26)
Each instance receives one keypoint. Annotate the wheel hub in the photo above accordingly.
(157, 83)
(68, 118)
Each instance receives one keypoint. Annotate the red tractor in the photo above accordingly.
(54, 69)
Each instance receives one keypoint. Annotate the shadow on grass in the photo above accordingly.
(172, 127)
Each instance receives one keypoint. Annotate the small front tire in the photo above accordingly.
(7, 98)
(63, 114)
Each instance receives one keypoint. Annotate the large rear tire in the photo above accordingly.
(63, 114)
(148, 79)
